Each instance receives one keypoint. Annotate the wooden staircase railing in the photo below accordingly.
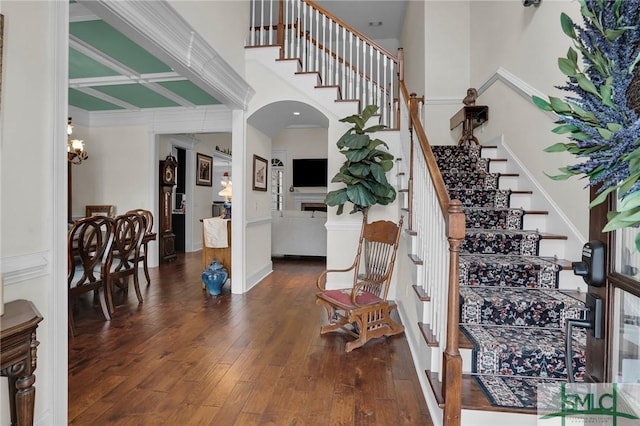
(438, 224)
(323, 43)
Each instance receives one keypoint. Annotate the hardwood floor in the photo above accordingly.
(186, 358)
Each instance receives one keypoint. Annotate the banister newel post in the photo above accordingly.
(400, 64)
(452, 361)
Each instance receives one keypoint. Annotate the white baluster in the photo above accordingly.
(392, 107)
(252, 28)
(344, 55)
(349, 66)
(383, 92)
(261, 24)
(317, 42)
(271, 22)
(298, 36)
(331, 59)
(358, 71)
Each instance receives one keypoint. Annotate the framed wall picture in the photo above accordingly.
(204, 168)
(259, 173)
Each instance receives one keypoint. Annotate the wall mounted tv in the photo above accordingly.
(310, 172)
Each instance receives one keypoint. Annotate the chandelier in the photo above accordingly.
(75, 147)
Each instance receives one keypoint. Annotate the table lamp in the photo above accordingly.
(226, 192)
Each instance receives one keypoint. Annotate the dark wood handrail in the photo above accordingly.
(455, 228)
(432, 165)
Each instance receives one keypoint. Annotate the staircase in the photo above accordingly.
(512, 311)
(487, 334)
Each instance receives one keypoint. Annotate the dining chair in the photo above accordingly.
(89, 242)
(149, 235)
(363, 310)
(122, 261)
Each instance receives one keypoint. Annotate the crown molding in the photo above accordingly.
(216, 118)
(157, 27)
(516, 84)
(442, 101)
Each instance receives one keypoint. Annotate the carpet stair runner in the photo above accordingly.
(511, 309)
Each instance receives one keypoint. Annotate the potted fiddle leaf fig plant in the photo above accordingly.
(364, 172)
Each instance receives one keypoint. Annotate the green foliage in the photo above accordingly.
(601, 127)
(364, 171)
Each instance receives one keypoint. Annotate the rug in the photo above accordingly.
(511, 308)
(513, 391)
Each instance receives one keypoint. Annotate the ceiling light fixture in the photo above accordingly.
(75, 147)
(375, 24)
(296, 113)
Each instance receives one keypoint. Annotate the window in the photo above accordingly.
(277, 184)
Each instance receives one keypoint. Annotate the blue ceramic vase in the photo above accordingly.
(214, 277)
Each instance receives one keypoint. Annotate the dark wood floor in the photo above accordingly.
(184, 357)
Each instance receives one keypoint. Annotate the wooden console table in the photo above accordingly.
(470, 117)
(18, 347)
(222, 254)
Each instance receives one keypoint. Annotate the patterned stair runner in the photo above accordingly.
(511, 309)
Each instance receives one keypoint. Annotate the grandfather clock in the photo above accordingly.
(167, 238)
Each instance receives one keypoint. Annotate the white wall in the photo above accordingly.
(527, 43)
(413, 43)
(116, 171)
(223, 23)
(32, 140)
(447, 68)
(258, 210)
(300, 143)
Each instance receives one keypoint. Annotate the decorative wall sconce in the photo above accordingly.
(75, 147)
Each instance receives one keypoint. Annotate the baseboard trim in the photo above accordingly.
(259, 275)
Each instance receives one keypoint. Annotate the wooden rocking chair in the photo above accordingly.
(363, 310)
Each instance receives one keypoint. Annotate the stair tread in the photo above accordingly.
(422, 296)
(483, 208)
(563, 263)
(473, 398)
(427, 333)
(543, 235)
(526, 336)
(571, 297)
(518, 306)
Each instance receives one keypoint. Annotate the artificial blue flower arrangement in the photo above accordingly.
(599, 116)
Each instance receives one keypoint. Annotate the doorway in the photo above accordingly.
(179, 201)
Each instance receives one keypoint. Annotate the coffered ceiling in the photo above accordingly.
(108, 71)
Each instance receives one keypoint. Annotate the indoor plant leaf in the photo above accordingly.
(364, 171)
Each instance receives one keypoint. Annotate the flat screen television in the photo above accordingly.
(309, 172)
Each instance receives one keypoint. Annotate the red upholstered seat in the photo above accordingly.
(343, 297)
